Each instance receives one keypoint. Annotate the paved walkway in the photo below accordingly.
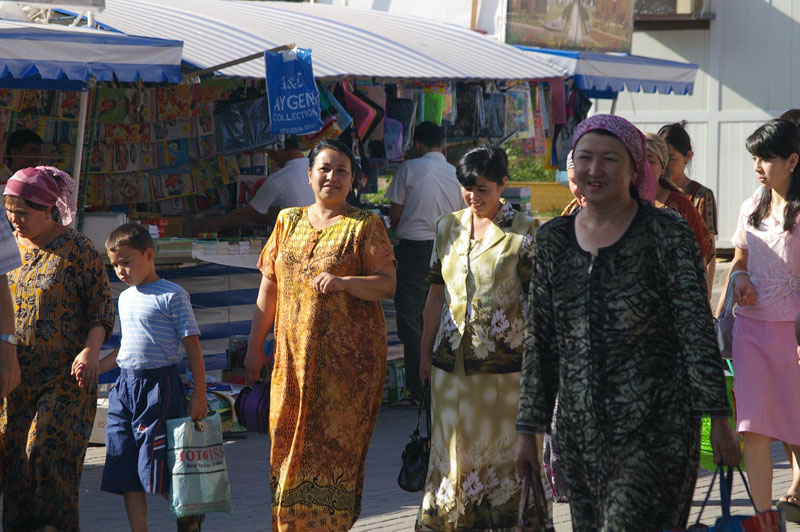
(385, 506)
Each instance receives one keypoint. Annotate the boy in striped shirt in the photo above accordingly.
(155, 319)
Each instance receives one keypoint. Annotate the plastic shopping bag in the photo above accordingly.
(706, 452)
(294, 102)
(196, 458)
(768, 521)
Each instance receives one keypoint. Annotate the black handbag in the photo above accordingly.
(417, 451)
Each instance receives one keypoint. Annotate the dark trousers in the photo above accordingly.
(413, 264)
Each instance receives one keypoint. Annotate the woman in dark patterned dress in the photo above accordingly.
(63, 314)
(619, 328)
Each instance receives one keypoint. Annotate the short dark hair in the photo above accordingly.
(488, 162)
(429, 134)
(135, 236)
(792, 115)
(21, 138)
(335, 145)
(677, 137)
(290, 142)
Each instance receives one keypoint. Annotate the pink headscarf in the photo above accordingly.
(47, 186)
(634, 141)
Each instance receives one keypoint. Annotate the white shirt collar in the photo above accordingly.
(435, 155)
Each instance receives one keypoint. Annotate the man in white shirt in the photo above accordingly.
(422, 190)
(288, 187)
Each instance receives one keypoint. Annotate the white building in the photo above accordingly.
(748, 74)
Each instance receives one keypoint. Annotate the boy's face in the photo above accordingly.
(133, 267)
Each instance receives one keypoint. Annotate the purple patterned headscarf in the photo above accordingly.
(635, 142)
(47, 186)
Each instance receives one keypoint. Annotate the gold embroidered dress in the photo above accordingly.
(60, 292)
(330, 368)
(471, 483)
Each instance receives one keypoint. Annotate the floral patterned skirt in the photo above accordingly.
(471, 482)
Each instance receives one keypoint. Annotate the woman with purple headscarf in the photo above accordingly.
(63, 314)
(619, 328)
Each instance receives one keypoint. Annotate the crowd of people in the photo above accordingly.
(594, 329)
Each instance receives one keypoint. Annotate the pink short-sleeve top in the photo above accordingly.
(773, 264)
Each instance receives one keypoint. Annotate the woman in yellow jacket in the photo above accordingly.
(474, 324)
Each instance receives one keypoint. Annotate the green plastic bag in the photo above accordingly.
(196, 457)
(706, 453)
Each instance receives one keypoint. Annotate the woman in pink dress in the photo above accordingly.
(766, 281)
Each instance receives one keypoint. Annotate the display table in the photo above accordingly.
(248, 260)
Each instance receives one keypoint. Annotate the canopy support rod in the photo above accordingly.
(76, 172)
(258, 55)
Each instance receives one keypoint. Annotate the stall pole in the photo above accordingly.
(84, 185)
(245, 59)
(76, 172)
(614, 104)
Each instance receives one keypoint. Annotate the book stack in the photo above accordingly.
(519, 198)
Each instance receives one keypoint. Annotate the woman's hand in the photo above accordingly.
(724, 443)
(326, 283)
(526, 455)
(744, 293)
(425, 368)
(86, 368)
(254, 361)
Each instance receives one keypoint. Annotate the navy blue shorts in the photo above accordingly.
(139, 406)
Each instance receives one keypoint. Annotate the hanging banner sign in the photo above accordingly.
(292, 93)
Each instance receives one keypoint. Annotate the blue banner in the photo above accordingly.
(292, 93)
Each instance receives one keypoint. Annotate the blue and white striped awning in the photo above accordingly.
(344, 41)
(53, 56)
(602, 75)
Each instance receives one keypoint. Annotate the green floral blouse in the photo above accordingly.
(485, 286)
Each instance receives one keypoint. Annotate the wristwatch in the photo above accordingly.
(10, 338)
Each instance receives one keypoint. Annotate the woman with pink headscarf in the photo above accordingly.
(618, 327)
(63, 314)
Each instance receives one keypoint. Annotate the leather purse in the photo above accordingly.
(416, 453)
(725, 320)
(542, 521)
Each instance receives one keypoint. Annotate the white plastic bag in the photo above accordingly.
(196, 457)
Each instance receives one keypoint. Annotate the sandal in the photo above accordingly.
(790, 504)
(191, 523)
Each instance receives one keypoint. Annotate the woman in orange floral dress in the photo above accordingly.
(326, 268)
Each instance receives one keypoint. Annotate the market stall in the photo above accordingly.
(378, 74)
(48, 73)
(401, 56)
(67, 59)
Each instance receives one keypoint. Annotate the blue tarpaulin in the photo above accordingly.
(602, 75)
(59, 57)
